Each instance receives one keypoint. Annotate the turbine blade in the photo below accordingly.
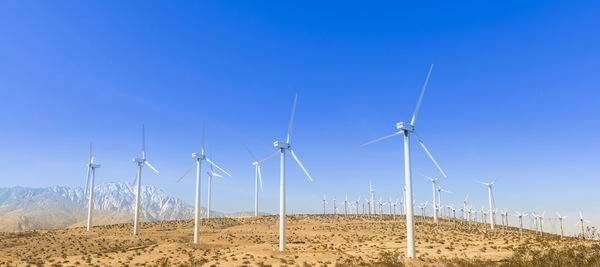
(134, 181)
(203, 136)
(580, 215)
(558, 214)
(268, 158)
(414, 117)
(151, 167)
(91, 158)
(143, 142)
(300, 164)
(260, 178)
(215, 174)
(216, 166)
(186, 173)
(251, 154)
(429, 154)
(385, 137)
(87, 181)
(292, 119)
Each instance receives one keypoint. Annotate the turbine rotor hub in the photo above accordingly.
(281, 145)
(404, 127)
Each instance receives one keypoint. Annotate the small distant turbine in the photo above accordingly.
(580, 222)
(435, 208)
(520, 215)
(465, 207)
(140, 162)
(324, 204)
(257, 179)
(91, 173)
(560, 219)
(211, 174)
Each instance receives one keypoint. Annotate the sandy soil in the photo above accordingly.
(253, 241)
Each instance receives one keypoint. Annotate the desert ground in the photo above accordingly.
(312, 240)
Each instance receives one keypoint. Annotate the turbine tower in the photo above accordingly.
(91, 173)
(281, 148)
(198, 165)
(257, 178)
(405, 130)
(372, 201)
(138, 181)
(489, 186)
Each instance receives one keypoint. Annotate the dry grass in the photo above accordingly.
(313, 240)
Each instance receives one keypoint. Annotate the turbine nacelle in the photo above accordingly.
(94, 166)
(138, 161)
(198, 156)
(405, 127)
(281, 145)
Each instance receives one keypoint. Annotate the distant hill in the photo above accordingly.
(23, 208)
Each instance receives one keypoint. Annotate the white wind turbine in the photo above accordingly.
(324, 204)
(489, 186)
(465, 207)
(257, 178)
(541, 217)
(520, 215)
(91, 173)
(211, 174)
(560, 219)
(440, 190)
(334, 206)
(580, 222)
(435, 208)
(372, 200)
(357, 202)
(140, 162)
(405, 130)
(281, 148)
(198, 165)
(346, 205)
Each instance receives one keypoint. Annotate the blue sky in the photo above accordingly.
(513, 96)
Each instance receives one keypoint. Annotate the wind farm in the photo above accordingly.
(484, 101)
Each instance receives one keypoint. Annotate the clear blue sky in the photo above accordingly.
(513, 96)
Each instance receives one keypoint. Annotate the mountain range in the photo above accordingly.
(23, 208)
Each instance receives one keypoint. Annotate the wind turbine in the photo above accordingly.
(435, 209)
(334, 207)
(423, 206)
(580, 222)
(257, 178)
(346, 205)
(372, 201)
(440, 190)
(324, 203)
(489, 186)
(198, 165)
(560, 219)
(541, 217)
(281, 148)
(406, 129)
(140, 162)
(520, 215)
(465, 206)
(91, 173)
(211, 174)
(357, 201)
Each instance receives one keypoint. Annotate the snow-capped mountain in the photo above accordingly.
(24, 208)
